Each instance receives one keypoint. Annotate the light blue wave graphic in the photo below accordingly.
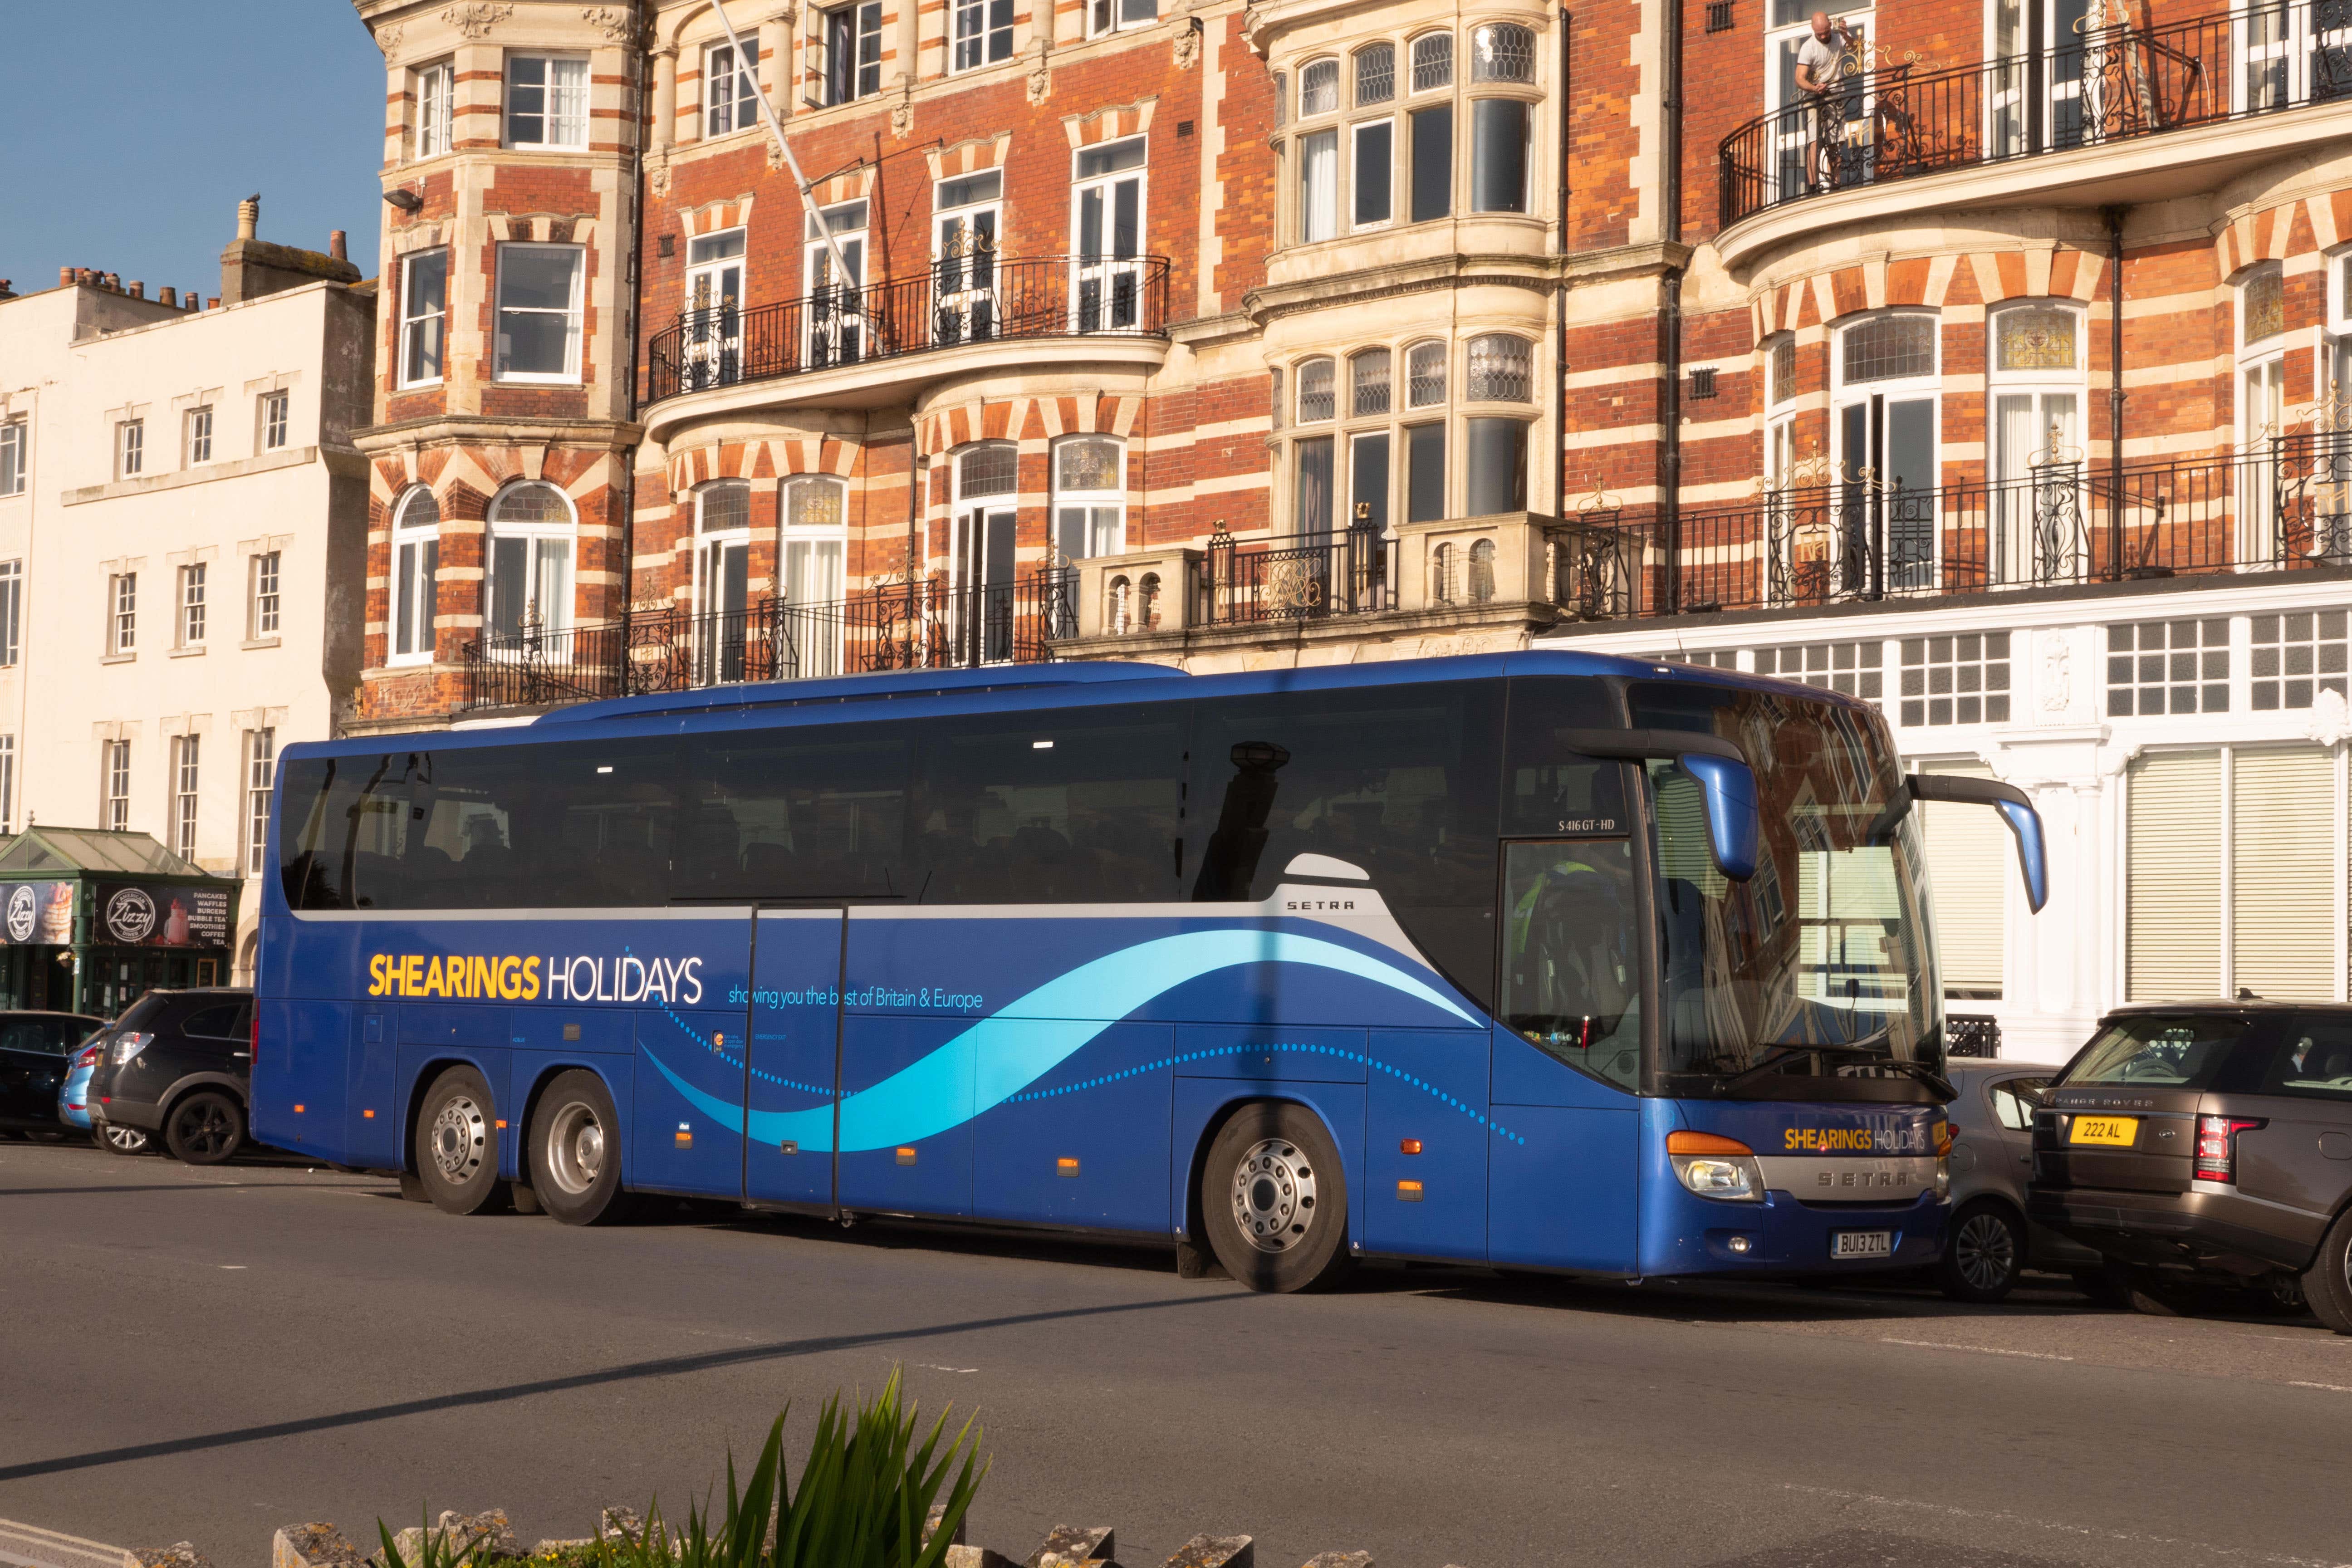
(958, 1081)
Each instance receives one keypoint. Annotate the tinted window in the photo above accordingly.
(804, 814)
(2170, 1051)
(1549, 789)
(143, 1015)
(1401, 782)
(1049, 808)
(37, 1035)
(2313, 1057)
(217, 1021)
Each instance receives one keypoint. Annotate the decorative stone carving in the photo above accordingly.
(1188, 42)
(658, 178)
(611, 21)
(1041, 74)
(476, 19)
(2057, 674)
(775, 153)
(2331, 720)
(388, 40)
(902, 114)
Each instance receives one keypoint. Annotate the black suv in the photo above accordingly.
(2209, 1141)
(179, 1063)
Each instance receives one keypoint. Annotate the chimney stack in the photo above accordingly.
(190, 300)
(64, 277)
(212, 303)
(337, 244)
(248, 216)
(113, 283)
(171, 297)
(138, 289)
(84, 275)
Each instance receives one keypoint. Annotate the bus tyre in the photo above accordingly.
(575, 1149)
(457, 1144)
(204, 1128)
(2327, 1284)
(1984, 1252)
(1274, 1200)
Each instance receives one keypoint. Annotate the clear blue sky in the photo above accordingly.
(131, 130)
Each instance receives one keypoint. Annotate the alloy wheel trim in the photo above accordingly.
(1984, 1250)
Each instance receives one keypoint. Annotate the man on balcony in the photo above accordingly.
(1822, 76)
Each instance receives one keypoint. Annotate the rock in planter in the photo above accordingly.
(316, 1545)
(179, 1554)
(460, 1535)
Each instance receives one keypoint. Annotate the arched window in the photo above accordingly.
(1318, 89)
(990, 468)
(723, 556)
(1090, 497)
(415, 567)
(1502, 51)
(1482, 572)
(1433, 61)
(1780, 419)
(1424, 376)
(532, 533)
(812, 546)
(1315, 393)
(982, 550)
(1885, 396)
(1500, 369)
(1375, 74)
(1367, 383)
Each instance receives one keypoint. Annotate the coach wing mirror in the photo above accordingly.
(2015, 809)
(1727, 785)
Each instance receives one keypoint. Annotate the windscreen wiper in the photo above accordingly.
(1868, 1045)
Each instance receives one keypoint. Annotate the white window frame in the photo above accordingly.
(2015, 533)
(264, 603)
(1090, 503)
(187, 781)
(573, 333)
(738, 107)
(1105, 16)
(988, 39)
(415, 583)
(7, 784)
(122, 614)
(196, 437)
(2256, 530)
(837, 335)
(12, 613)
(563, 126)
(414, 320)
(129, 449)
(1928, 384)
(813, 555)
(1106, 269)
(555, 616)
(114, 784)
(191, 615)
(818, 47)
(435, 96)
(260, 790)
(16, 450)
(275, 414)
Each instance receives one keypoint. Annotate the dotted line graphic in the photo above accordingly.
(1371, 1062)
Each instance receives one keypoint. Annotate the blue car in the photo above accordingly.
(86, 1041)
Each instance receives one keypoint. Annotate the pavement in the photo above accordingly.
(207, 1354)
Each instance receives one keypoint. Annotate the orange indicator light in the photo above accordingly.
(1408, 1192)
(906, 1155)
(297, 1111)
(367, 1116)
(503, 1126)
(1066, 1166)
(1409, 1146)
(1688, 1143)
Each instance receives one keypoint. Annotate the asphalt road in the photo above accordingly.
(209, 1354)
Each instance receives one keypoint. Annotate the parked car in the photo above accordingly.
(2209, 1142)
(35, 1049)
(1990, 1241)
(179, 1064)
(73, 1100)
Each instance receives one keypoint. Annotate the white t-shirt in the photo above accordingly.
(1819, 56)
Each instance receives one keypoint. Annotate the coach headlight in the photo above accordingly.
(1715, 1167)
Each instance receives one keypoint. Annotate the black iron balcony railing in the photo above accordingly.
(2100, 85)
(1304, 578)
(976, 298)
(926, 625)
(2283, 504)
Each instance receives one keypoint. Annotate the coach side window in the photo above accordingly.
(1399, 784)
(1049, 808)
(800, 814)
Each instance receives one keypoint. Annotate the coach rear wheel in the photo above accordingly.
(456, 1144)
(575, 1149)
(1274, 1200)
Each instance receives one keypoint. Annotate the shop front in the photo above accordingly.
(92, 920)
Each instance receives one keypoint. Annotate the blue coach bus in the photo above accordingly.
(1544, 960)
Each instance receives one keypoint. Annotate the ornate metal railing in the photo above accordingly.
(2284, 503)
(924, 625)
(1301, 578)
(1896, 121)
(979, 297)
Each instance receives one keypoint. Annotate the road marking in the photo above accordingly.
(2331, 1387)
(1980, 1349)
(2236, 1553)
(235, 1266)
(934, 1367)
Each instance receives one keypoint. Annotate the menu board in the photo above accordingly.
(37, 912)
(133, 914)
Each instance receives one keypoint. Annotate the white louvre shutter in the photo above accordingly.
(2285, 897)
(1970, 859)
(2172, 869)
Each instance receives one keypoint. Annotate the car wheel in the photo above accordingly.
(2327, 1284)
(575, 1149)
(457, 1144)
(1984, 1252)
(204, 1128)
(1274, 1200)
(116, 1139)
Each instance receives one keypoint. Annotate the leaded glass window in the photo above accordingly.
(1375, 74)
(2035, 337)
(1367, 378)
(1424, 376)
(2263, 304)
(1315, 393)
(1888, 347)
(1500, 369)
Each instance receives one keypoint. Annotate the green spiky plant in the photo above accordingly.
(866, 1492)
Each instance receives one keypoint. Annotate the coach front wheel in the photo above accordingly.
(457, 1144)
(1274, 1200)
(575, 1149)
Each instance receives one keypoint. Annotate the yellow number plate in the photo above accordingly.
(2116, 1131)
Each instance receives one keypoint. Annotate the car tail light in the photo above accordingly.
(129, 1044)
(2217, 1145)
(89, 1054)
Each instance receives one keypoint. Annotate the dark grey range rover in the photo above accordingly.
(2210, 1140)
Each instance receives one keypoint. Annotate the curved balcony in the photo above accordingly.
(962, 306)
(2102, 88)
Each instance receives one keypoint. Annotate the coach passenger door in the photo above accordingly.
(793, 1039)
